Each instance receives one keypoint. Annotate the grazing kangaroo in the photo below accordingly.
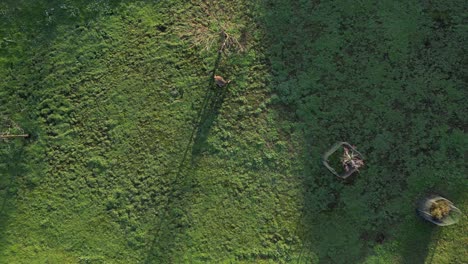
(220, 81)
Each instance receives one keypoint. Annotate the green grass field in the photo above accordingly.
(136, 156)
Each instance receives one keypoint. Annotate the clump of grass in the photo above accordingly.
(440, 209)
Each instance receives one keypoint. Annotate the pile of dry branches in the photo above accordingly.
(351, 160)
(214, 26)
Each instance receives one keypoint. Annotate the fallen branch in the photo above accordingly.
(14, 136)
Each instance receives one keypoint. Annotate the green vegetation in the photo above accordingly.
(135, 156)
(335, 161)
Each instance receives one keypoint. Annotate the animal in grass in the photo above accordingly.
(220, 81)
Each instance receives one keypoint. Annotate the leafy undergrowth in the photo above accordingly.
(136, 157)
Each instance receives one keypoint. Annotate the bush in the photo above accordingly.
(440, 209)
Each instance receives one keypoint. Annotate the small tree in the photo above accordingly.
(440, 209)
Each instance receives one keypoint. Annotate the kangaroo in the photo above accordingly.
(220, 81)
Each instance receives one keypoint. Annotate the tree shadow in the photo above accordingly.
(12, 165)
(38, 21)
(328, 230)
(207, 114)
(319, 75)
(170, 226)
(419, 234)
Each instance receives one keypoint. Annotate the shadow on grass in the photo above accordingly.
(417, 234)
(328, 231)
(169, 228)
(320, 72)
(420, 234)
(207, 114)
(12, 165)
(37, 21)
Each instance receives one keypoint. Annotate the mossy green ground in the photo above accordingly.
(136, 157)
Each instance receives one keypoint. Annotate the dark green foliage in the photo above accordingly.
(387, 77)
(335, 161)
(136, 157)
